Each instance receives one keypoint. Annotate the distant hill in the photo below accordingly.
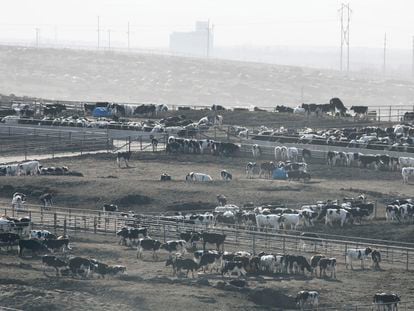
(109, 76)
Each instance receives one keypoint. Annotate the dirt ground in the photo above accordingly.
(148, 285)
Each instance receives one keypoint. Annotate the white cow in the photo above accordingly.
(307, 298)
(12, 170)
(198, 177)
(292, 221)
(29, 168)
(278, 153)
(256, 151)
(40, 234)
(271, 221)
(293, 154)
(299, 110)
(18, 200)
(406, 161)
(357, 254)
(336, 215)
(206, 145)
(284, 153)
(267, 263)
(405, 172)
(6, 225)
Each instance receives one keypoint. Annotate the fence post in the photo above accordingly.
(129, 143)
(284, 245)
(54, 221)
(375, 209)
(389, 118)
(95, 224)
(163, 230)
(140, 143)
(346, 250)
(64, 226)
(25, 148)
(254, 243)
(406, 267)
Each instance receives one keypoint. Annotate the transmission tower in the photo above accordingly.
(345, 13)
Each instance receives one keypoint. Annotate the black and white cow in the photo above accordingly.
(154, 144)
(208, 260)
(221, 199)
(9, 239)
(123, 156)
(376, 259)
(235, 266)
(226, 175)
(180, 263)
(176, 246)
(80, 266)
(327, 264)
(18, 201)
(361, 254)
(132, 234)
(386, 301)
(110, 208)
(57, 244)
(307, 298)
(251, 169)
(148, 244)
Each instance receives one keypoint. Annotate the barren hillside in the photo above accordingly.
(91, 75)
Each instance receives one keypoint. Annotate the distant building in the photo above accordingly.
(194, 43)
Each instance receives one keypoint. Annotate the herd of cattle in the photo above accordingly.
(33, 167)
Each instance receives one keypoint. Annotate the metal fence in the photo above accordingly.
(237, 238)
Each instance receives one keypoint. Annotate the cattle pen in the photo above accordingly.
(395, 255)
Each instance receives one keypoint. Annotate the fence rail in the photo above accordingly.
(237, 238)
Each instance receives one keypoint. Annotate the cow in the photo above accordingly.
(231, 267)
(266, 168)
(386, 301)
(272, 221)
(293, 154)
(34, 246)
(335, 215)
(80, 266)
(132, 234)
(180, 263)
(191, 237)
(376, 259)
(267, 263)
(307, 298)
(199, 177)
(18, 200)
(46, 200)
(314, 262)
(123, 156)
(29, 168)
(360, 111)
(12, 170)
(176, 246)
(57, 244)
(148, 244)
(251, 169)
(221, 199)
(53, 261)
(165, 177)
(406, 162)
(9, 239)
(357, 254)
(327, 264)
(213, 238)
(296, 264)
(110, 208)
(406, 172)
(41, 235)
(201, 219)
(256, 151)
(209, 260)
(154, 144)
(292, 221)
(226, 175)
(306, 155)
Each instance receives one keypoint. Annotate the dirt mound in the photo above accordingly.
(271, 297)
(187, 206)
(133, 199)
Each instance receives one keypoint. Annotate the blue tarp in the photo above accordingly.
(101, 112)
(279, 173)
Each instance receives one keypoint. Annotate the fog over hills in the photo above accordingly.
(68, 74)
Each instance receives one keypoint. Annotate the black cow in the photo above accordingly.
(46, 200)
(208, 259)
(123, 156)
(213, 238)
(376, 259)
(314, 262)
(367, 159)
(292, 263)
(180, 263)
(165, 177)
(327, 264)
(284, 109)
(389, 300)
(99, 268)
(34, 246)
(306, 155)
(360, 110)
(221, 199)
(148, 244)
(9, 239)
(110, 208)
(53, 261)
(226, 175)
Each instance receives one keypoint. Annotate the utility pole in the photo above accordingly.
(208, 38)
(37, 37)
(412, 68)
(128, 33)
(385, 51)
(99, 30)
(109, 39)
(345, 13)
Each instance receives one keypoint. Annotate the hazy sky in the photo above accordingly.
(237, 22)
